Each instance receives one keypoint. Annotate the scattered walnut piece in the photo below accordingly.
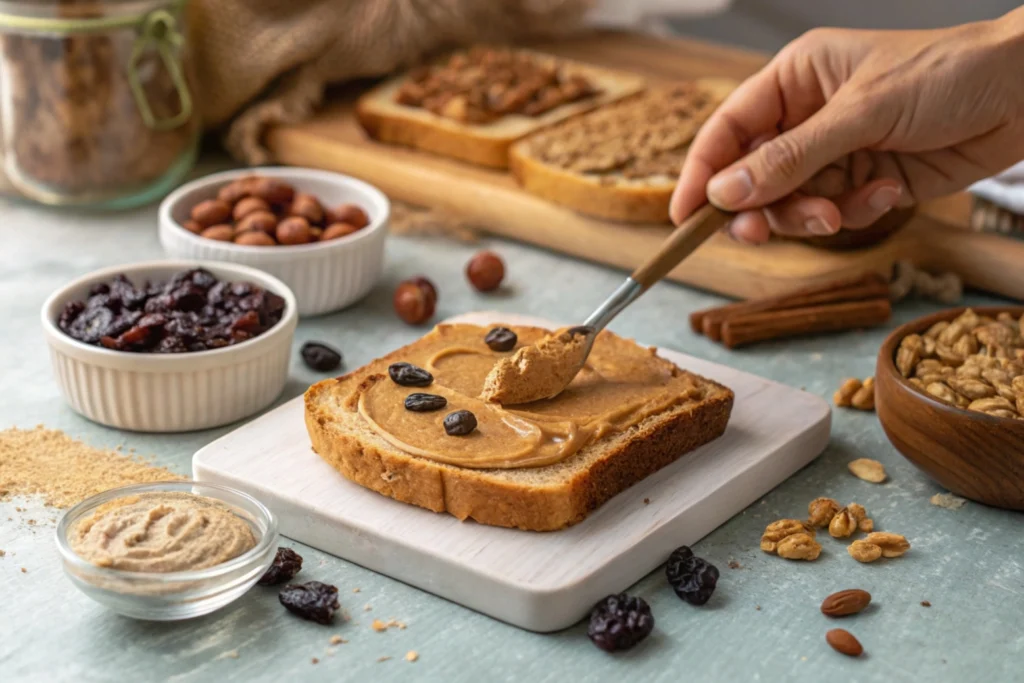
(866, 525)
(868, 470)
(844, 394)
(799, 547)
(843, 524)
(855, 393)
(878, 544)
(776, 531)
(820, 511)
(862, 551)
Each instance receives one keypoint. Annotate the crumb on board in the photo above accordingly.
(355, 590)
(2, 553)
(925, 603)
(647, 501)
(230, 654)
(330, 651)
(315, 660)
(758, 608)
(379, 626)
(337, 640)
(733, 564)
(24, 571)
(383, 659)
(411, 656)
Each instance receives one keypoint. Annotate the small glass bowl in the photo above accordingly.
(170, 596)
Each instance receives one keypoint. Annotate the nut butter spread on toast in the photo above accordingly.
(621, 385)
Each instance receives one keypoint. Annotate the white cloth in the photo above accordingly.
(650, 14)
(1005, 190)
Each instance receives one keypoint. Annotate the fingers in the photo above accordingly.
(866, 204)
(794, 216)
(751, 112)
(786, 162)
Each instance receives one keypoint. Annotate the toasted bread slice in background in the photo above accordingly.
(487, 144)
(610, 193)
(539, 498)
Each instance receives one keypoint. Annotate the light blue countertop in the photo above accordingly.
(762, 624)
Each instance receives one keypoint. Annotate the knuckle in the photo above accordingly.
(781, 157)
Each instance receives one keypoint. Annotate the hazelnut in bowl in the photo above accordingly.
(949, 392)
(171, 346)
(321, 233)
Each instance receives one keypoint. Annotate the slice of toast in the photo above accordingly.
(485, 144)
(542, 498)
(621, 161)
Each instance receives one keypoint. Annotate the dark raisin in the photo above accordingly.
(692, 578)
(425, 403)
(99, 288)
(501, 339)
(408, 375)
(459, 423)
(67, 316)
(203, 278)
(247, 322)
(314, 601)
(92, 324)
(123, 291)
(171, 345)
(619, 622)
(320, 357)
(581, 329)
(188, 298)
(286, 565)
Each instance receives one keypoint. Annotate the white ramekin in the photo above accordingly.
(149, 392)
(325, 276)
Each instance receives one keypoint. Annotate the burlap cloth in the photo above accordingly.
(261, 62)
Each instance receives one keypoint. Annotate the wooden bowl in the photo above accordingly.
(974, 455)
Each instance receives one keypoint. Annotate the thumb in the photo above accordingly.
(784, 163)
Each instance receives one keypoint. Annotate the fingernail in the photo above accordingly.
(817, 226)
(884, 198)
(737, 237)
(730, 188)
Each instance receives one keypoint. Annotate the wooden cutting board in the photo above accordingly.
(935, 238)
(538, 581)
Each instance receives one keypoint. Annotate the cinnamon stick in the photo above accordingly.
(861, 287)
(838, 317)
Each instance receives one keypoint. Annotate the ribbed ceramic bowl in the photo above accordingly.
(149, 392)
(170, 596)
(325, 276)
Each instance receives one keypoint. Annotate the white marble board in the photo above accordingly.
(537, 581)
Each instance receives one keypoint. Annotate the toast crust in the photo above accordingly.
(491, 496)
(482, 144)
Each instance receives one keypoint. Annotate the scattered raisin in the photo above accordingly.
(286, 565)
(424, 403)
(314, 601)
(408, 375)
(619, 622)
(321, 357)
(459, 423)
(692, 578)
(501, 339)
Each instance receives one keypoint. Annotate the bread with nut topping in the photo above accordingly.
(476, 103)
(620, 161)
(543, 498)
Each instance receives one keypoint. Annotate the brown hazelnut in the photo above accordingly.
(211, 212)
(192, 227)
(255, 238)
(271, 190)
(307, 206)
(348, 213)
(221, 233)
(485, 271)
(413, 302)
(426, 285)
(258, 220)
(248, 205)
(235, 191)
(336, 230)
(294, 230)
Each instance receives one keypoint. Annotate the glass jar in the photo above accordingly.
(95, 103)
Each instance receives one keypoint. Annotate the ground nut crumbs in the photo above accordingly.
(63, 471)
(868, 470)
(411, 656)
(948, 501)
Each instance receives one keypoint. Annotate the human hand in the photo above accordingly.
(842, 126)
